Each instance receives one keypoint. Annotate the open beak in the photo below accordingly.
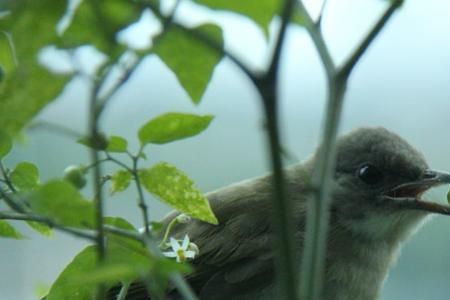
(408, 195)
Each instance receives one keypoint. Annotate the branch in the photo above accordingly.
(117, 162)
(57, 128)
(319, 42)
(102, 102)
(6, 177)
(123, 291)
(288, 8)
(346, 69)
(9, 201)
(141, 199)
(318, 23)
(94, 114)
(35, 218)
(12, 48)
(313, 260)
(282, 217)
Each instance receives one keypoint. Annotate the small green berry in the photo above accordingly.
(75, 175)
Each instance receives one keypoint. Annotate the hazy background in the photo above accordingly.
(401, 83)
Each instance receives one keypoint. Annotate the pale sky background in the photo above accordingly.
(401, 83)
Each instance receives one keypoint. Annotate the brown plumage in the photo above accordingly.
(377, 176)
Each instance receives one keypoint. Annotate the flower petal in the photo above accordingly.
(170, 254)
(175, 245)
(189, 254)
(186, 242)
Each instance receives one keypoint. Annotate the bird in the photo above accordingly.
(376, 205)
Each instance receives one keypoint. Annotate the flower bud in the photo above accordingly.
(194, 247)
(183, 219)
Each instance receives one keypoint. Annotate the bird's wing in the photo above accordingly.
(235, 256)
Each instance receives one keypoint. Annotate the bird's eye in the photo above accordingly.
(370, 174)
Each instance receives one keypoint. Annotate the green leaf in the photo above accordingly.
(121, 264)
(177, 190)
(100, 142)
(79, 279)
(191, 60)
(97, 23)
(41, 228)
(5, 144)
(117, 144)
(41, 290)
(6, 230)
(27, 86)
(122, 240)
(156, 227)
(120, 181)
(61, 201)
(119, 223)
(25, 176)
(260, 11)
(171, 127)
(62, 288)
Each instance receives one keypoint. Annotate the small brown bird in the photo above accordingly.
(376, 205)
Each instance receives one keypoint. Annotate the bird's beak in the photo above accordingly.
(407, 195)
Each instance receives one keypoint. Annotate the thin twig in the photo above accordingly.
(94, 114)
(90, 166)
(35, 218)
(313, 260)
(11, 202)
(282, 213)
(57, 128)
(117, 162)
(6, 177)
(123, 291)
(4, 195)
(288, 8)
(12, 48)
(87, 234)
(183, 287)
(167, 232)
(119, 83)
(318, 40)
(130, 70)
(354, 58)
(124, 233)
(318, 23)
(141, 198)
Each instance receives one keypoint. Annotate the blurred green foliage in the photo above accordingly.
(27, 85)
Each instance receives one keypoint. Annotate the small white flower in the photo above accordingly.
(180, 252)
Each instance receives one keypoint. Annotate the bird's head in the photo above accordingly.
(379, 181)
